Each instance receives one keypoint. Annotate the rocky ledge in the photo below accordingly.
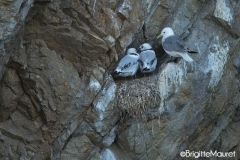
(59, 99)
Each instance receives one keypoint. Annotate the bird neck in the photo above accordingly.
(146, 49)
(163, 39)
(166, 36)
(134, 54)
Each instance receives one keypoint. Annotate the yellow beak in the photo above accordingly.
(159, 36)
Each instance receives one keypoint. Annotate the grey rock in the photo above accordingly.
(104, 114)
(13, 14)
(113, 152)
(11, 87)
(58, 99)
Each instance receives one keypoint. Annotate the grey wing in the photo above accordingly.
(174, 43)
(147, 56)
(128, 64)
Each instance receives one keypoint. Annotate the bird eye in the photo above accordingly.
(163, 32)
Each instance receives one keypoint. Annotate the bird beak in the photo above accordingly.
(138, 50)
(159, 36)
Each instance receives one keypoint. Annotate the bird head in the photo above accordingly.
(144, 46)
(131, 50)
(166, 32)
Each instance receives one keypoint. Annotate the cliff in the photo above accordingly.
(59, 99)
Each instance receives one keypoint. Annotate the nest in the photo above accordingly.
(139, 96)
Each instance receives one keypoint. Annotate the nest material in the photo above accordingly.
(137, 96)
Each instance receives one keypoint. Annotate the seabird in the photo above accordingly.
(147, 60)
(173, 45)
(129, 64)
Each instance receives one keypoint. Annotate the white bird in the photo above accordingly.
(147, 60)
(129, 64)
(173, 45)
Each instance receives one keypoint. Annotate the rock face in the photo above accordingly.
(59, 99)
(13, 14)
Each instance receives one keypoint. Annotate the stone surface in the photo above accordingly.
(11, 87)
(227, 15)
(104, 114)
(13, 14)
(60, 100)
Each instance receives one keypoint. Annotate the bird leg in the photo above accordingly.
(176, 60)
(135, 76)
(171, 60)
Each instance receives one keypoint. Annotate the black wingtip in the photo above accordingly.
(116, 73)
(193, 52)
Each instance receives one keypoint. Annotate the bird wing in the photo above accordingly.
(128, 63)
(174, 43)
(147, 56)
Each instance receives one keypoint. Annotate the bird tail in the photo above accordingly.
(187, 57)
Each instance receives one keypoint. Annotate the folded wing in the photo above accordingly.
(128, 66)
(174, 43)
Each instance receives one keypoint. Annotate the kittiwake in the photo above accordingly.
(129, 64)
(173, 45)
(147, 60)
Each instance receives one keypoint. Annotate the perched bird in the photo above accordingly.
(147, 60)
(129, 64)
(173, 45)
